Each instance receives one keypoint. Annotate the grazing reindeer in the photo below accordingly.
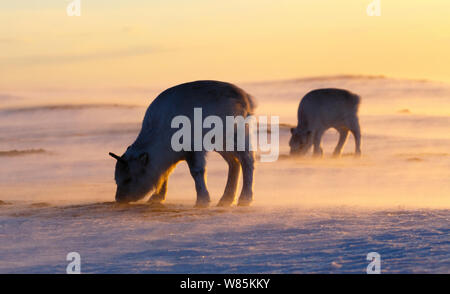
(148, 162)
(320, 110)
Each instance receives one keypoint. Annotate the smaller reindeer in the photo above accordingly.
(320, 110)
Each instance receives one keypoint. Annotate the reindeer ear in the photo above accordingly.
(144, 158)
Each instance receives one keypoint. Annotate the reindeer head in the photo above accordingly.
(300, 141)
(131, 175)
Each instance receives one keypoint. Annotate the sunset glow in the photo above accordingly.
(196, 137)
(159, 43)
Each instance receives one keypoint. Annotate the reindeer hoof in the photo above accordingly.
(336, 154)
(225, 202)
(201, 204)
(156, 198)
(244, 202)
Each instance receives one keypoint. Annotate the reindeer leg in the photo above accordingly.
(233, 179)
(356, 131)
(247, 162)
(318, 151)
(160, 195)
(197, 166)
(343, 133)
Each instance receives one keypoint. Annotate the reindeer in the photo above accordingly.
(148, 162)
(320, 110)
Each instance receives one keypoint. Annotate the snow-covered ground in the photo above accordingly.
(310, 215)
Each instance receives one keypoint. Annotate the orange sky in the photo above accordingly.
(140, 43)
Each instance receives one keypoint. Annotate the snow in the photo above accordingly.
(309, 215)
(181, 239)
